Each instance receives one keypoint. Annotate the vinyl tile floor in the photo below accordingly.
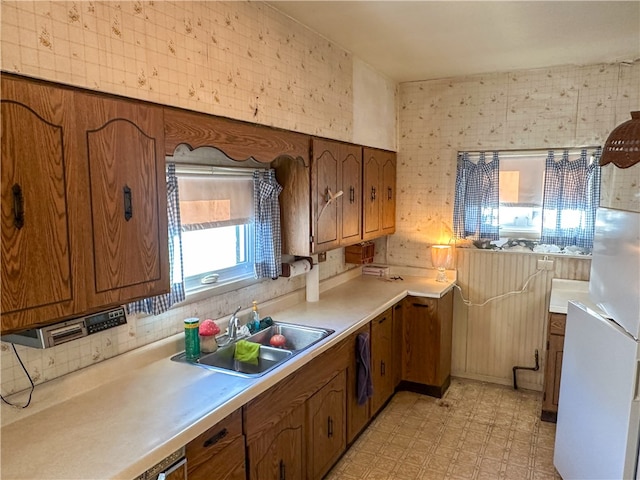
(476, 431)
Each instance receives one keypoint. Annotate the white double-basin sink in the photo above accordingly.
(297, 339)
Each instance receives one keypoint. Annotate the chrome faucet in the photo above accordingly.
(234, 325)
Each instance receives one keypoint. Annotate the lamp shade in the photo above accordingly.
(441, 256)
(622, 147)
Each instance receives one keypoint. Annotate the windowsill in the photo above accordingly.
(207, 291)
(527, 251)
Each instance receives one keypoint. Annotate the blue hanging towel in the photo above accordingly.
(363, 367)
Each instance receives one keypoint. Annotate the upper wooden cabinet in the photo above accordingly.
(83, 203)
(336, 186)
(121, 151)
(379, 193)
(332, 183)
(40, 202)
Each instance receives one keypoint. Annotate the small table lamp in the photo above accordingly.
(441, 259)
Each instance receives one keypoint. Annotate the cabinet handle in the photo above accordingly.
(383, 319)
(420, 305)
(373, 193)
(18, 206)
(128, 206)
(352, 194)
(329, 427)
(216, 438)
(389, 193)
(383, 368)
(282, 470)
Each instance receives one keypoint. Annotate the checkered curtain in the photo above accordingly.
(162, 303)
(477, 199)
(571, 197)
(268, 250)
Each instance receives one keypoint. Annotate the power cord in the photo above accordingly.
(468, 303)
(30, 381)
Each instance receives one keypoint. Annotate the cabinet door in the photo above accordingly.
(371, 194)
(382, 359)
(326, 172)
(357, 415)
(326, 427)
(351, 186)
(388, 201)
(219, 452)
(427, 342)
(122, 150)
(398, 328)
(38, 189)
(553, 367)
(279, 452)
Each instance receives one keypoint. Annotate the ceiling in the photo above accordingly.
(422, 40)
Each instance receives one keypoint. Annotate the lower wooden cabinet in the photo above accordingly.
(426, 357)
(219, 452)
(382, 359)
(357, 415)
(553, 368)
(326, 426)
(279, 453)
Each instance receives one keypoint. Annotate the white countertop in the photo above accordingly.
(118, 418)
(562, 291)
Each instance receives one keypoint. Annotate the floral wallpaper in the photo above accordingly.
(531, 109)
(242, 60)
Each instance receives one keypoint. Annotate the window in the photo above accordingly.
(217, 217)
(545, 197)
(521, 188)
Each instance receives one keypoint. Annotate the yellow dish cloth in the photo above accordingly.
(247, 352)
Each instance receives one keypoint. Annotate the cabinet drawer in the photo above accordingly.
(214, 440)
(557, 323)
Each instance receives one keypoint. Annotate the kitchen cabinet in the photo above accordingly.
(382, 359)
(83, 202)
(40, 229)
(280, 423)
(426, 357)
(336, 186)
(121, 152)
(379, 193)
(398, 326)
(358, 416)
(553, 367)
(326, 422)
(279, 453)
(219, 452)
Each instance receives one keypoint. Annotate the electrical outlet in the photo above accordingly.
(545, 264)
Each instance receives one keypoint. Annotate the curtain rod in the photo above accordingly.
(531, 152)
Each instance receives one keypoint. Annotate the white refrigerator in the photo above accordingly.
(598, 429)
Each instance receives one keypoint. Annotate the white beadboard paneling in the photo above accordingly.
(489, 340)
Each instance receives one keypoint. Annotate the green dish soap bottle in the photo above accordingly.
(254, 322)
